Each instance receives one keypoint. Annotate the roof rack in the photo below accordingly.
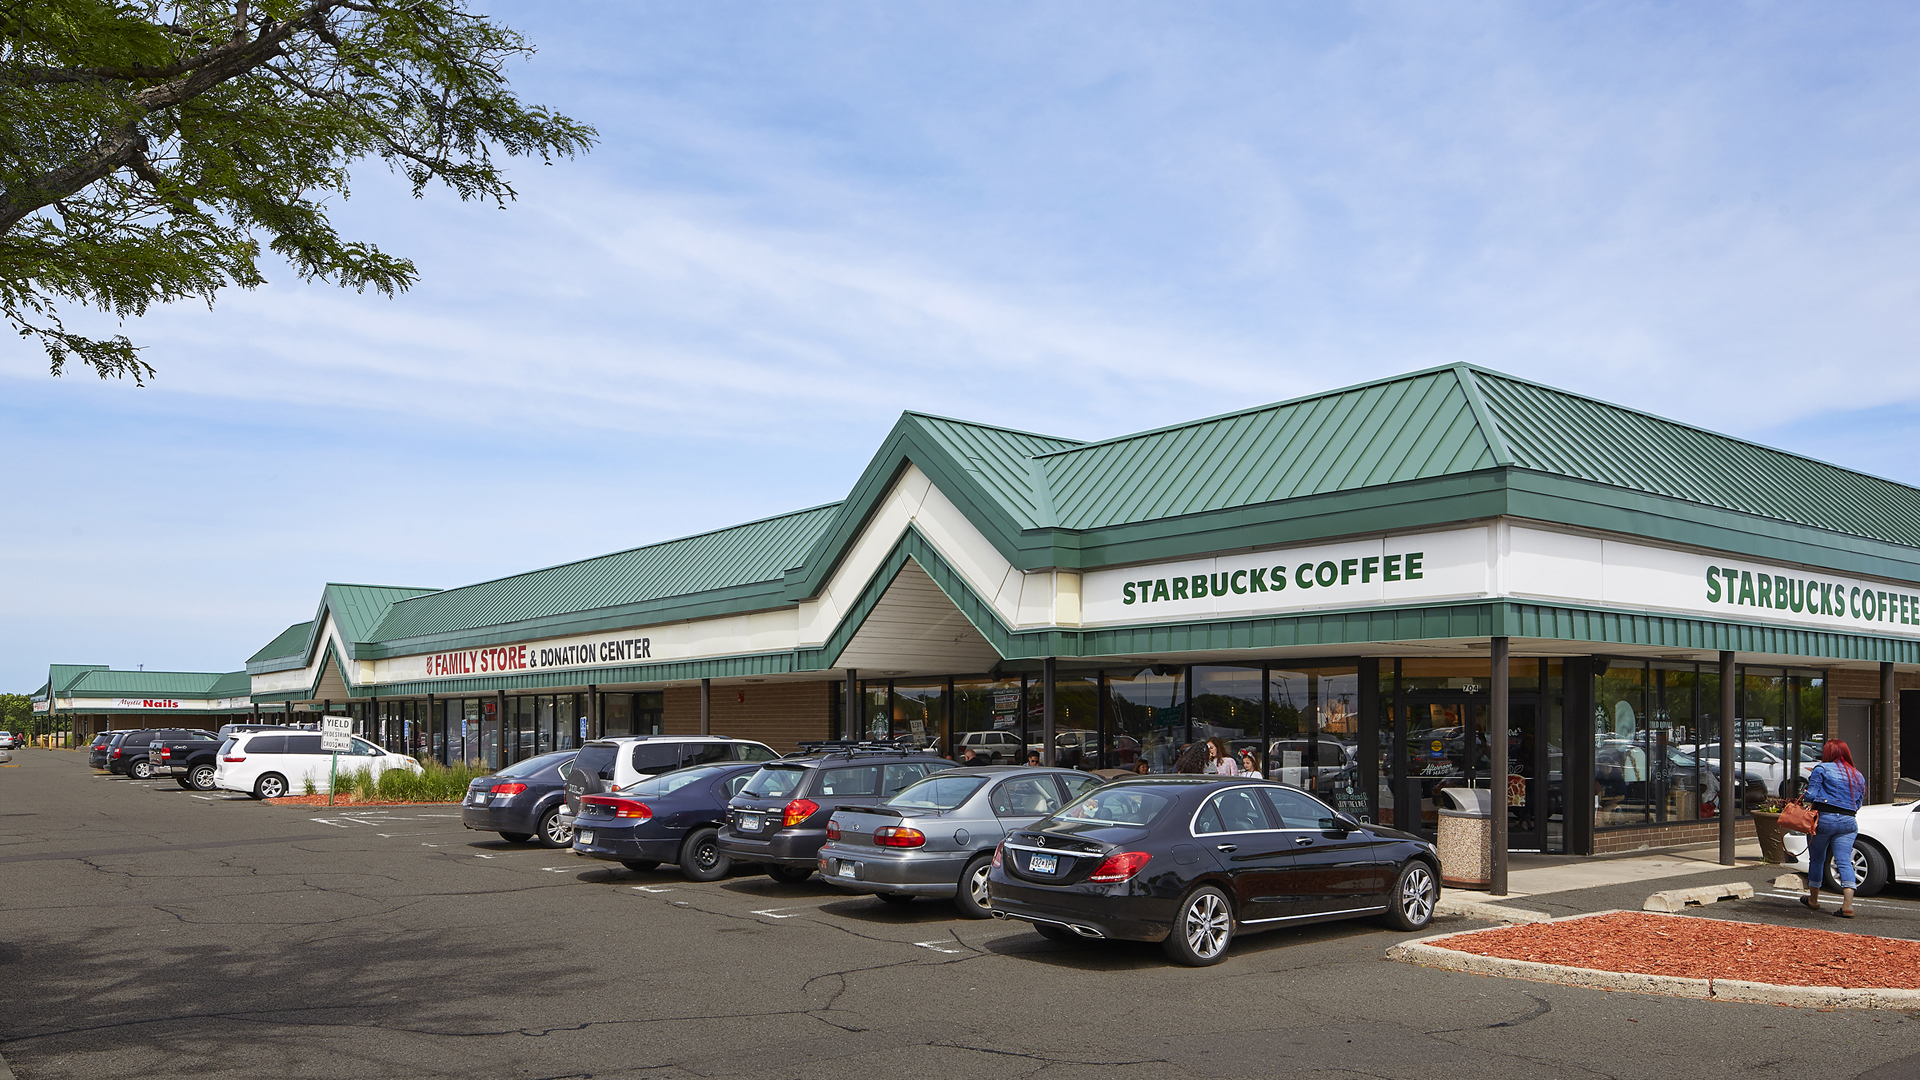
(850, 747)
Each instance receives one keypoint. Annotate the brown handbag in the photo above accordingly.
(1798, 817)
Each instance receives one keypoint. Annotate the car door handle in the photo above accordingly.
(1229, 847)
(1304, 841)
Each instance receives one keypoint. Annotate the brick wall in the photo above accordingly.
(778, 714)
(1690, 834)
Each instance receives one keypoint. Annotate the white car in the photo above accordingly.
(996, 747)
(269, 764)
(1767, 761)
(1888, 848)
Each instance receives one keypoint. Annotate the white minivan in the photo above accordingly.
(269, 764)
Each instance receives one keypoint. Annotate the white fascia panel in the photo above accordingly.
(280, 682)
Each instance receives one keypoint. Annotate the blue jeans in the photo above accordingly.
(1836, 832)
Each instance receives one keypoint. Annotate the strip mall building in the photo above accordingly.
(1353, 589)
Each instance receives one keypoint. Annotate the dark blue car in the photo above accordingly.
(674, 817)
(522, 801)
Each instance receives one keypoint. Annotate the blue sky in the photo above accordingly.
(1083, 219)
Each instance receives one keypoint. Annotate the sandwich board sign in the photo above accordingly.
(336, 735)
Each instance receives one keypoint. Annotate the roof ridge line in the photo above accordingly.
(1283, 403)
(993, 427)
(1755, 443)
(367, 585)
(623, 551)
(1483, 415)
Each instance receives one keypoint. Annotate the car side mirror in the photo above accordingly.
(1344, 824)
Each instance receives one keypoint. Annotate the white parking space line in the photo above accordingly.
(335, 824)
(648, 888)
(560, 869)
(937, 946)
(770, 912)
(1857, 900)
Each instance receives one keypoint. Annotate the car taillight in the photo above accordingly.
(1119, 866)
(833, 830)
(798, 811)
(116, 751)
(233, 759)
(509, 789)
(898, 836)
(622, 808)
(996, 858)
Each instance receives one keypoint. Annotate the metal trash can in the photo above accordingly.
(1466, 839)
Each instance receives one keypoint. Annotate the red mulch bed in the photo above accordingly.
(1698, 948)
(344, 799)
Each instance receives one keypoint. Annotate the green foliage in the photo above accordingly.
(311, 788)
(147, 148)
(435, 783)
(16, 712)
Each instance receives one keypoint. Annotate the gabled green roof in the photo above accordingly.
(1001, 461)
(759, 551)
(1553, 431)
(231, 685)
(102, 682)
(358, 609)
(292, 642)
(62, 676)
(1411, 428)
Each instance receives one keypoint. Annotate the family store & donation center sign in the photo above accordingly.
(506, 658)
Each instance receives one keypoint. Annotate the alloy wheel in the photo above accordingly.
(1208, 925)
(977, 883)
(1416, 895)
(559, 834)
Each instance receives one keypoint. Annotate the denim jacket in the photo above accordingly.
(1830, 784)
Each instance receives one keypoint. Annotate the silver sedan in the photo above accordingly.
(936, 838)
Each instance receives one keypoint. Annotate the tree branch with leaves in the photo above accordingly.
(146, 149)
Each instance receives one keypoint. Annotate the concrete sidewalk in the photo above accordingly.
(1534, 875)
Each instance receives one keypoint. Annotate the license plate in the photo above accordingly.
(583, 837)
(750, 822)
(479, 798)
(848, 869)
(1043, 864)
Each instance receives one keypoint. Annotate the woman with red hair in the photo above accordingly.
(1836, 789)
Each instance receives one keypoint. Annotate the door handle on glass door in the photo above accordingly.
(1229, 847)
(1304, 841)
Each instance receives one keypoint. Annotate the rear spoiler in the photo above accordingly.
(881, 811)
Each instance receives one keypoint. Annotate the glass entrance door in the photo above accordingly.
(1442, 741)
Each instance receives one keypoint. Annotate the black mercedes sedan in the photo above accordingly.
(522, 801)
(1191, 861)
(674, 817)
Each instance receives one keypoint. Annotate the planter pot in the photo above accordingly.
(1773, 840)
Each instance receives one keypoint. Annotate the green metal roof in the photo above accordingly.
(103, 683)
(1554, 431)
(291, 642)
(1410, 428)
(1001, 461)
(62, 676)
(358, 609)
(758, 551)
(231, 685)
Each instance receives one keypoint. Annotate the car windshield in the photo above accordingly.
(1116, 806)
(773, 781)
(670, 782)
(535, 764)
(941, 791)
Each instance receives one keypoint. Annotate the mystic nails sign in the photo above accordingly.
(1424, 566)
(508, 659)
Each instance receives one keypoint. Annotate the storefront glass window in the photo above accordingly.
(919, 713)
(1148, 710)
(1673, 730)
(1763, 733)
(1227, 710)
(470, 731)
(616, 715)
(987, 705)
(1622, 772)
(1810, 728)
(649, 713)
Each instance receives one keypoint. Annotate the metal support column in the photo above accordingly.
(1886, 763)
(507, 736)
(1728, 797)
(706, 706)
(1047, 670)
(594, 730)
(852, 725)
(1102, 720)
(1497, 744)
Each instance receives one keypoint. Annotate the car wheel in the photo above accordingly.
(141, 770)
(1202, 930)
(971, 899)
(270, 786)
(1870, 870)
(899, 898)
(184, 783)
(553, 833)
(1410, 904)
(1056, 932)
(701, 858)
(201, 778)
(789, 875)
(516, 837)
(640, 866)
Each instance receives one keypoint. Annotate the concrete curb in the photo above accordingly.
(1426, 953)
(1699, 896)
(1480, 909)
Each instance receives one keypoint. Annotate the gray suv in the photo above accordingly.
(779, 819)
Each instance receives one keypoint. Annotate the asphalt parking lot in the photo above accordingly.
(155, 932)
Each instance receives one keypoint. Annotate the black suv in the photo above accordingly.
(780, 818)
(127, 756)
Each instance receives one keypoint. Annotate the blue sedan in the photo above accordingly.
(674, 817)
